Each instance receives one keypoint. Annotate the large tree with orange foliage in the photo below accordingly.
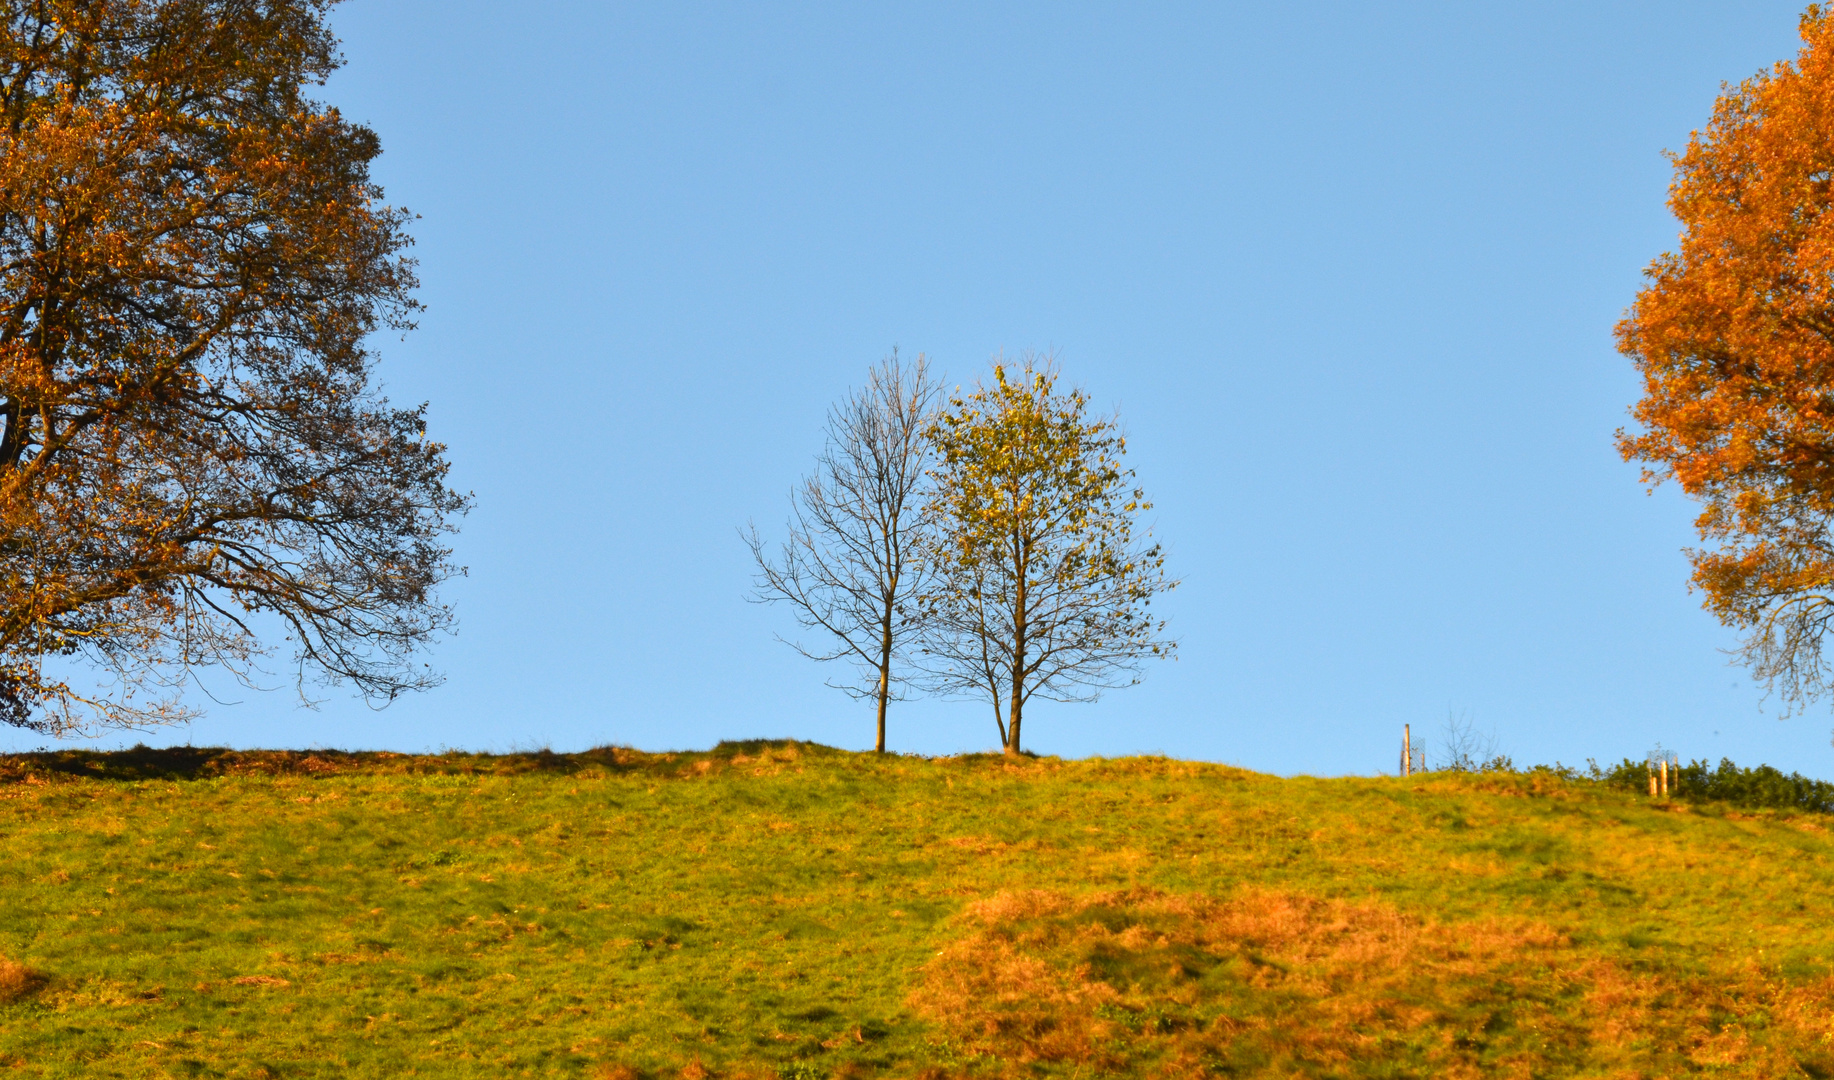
(192, 258)
(1734, 336)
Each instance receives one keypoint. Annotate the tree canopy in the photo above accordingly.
(1734, 337)
(193, 257)
(1039, 587)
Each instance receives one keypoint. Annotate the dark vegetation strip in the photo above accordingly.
(1761, 786)
(206, 762)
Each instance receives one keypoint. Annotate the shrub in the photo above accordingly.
(1762, 786)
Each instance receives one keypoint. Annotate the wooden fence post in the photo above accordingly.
(1407, 749)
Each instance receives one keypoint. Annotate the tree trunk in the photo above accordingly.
(12, 444)
(1012, 725)
(1018, 699)
(885, 669)
(1019, 642)
(878, 746)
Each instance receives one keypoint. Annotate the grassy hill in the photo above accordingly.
(786, 910)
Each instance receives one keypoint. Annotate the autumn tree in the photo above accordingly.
(192, 259)
(853, 563)
(1734, 337)
(1041, 588)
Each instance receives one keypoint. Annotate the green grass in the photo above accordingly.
(779, 909)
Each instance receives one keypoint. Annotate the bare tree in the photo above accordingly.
(1469, 749)
(1038, 587)
(853, 563)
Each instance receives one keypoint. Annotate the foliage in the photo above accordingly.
(854, 563)
(1734, 337)
(1763, 786)
(1041, 589)
(774, 908)
(192, 255)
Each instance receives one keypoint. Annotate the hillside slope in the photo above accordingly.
(785, 910)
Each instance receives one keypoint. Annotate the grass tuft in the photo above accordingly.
(17, 981)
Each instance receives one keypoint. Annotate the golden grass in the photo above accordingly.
(776, 911)
(1271, 983)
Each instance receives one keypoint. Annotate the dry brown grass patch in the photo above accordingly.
(1273, 984)
(17, 981)
(978, 845)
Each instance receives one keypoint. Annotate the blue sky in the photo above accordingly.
(1348, 271)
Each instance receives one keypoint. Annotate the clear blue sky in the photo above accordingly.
(1348, 271)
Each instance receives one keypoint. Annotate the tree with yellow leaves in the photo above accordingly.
(192, 257)
(1040, 587)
